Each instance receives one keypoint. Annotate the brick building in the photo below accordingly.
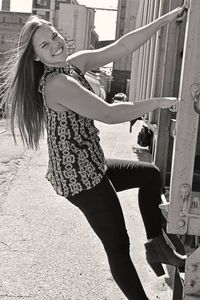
(10, 27)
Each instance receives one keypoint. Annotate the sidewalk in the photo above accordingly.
(48, 251)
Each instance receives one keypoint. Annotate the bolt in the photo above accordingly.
(191, 283)
(192, 268)
(181, 213)
(181, 223)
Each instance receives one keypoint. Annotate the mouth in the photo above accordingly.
(58, 52)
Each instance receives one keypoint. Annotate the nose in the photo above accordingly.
(54, 46)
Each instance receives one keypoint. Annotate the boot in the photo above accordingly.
(158, 252)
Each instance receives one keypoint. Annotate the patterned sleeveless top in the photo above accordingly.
(76, 159)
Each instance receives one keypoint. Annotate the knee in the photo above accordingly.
(154, 175)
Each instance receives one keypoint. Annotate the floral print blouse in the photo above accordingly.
(76, 159)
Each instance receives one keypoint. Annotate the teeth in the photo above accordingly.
(59, 51)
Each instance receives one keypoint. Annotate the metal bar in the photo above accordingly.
(186, 134)
(102, 8)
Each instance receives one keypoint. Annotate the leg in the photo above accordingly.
(128, 174)
(102, 209)
(125, 174)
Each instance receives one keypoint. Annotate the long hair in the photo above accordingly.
(19, 89)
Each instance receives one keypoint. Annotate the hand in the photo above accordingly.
(178, 13)
(173, 14)
(167, 102)
(183, 11)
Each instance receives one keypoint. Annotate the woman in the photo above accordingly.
(46, 87)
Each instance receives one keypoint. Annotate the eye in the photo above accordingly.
(55, 34)
(43, 45)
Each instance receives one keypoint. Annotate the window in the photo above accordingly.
(2, 38)
(42, 2)
(123, 13)
(121, 26)
(47, 14)
(123, 3)
(57, 4)
(42, 14)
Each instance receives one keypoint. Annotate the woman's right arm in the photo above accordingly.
(64, 91)
(90, 59)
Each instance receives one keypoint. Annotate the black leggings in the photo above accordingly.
(101, 207)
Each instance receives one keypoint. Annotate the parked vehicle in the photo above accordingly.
(120, 97)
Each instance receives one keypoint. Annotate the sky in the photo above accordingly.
(105, 21)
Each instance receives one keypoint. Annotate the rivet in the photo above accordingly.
(191, 283)
(181, 213)
(181, 223)
(192, 268)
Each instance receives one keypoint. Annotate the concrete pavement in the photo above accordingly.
(48, 251)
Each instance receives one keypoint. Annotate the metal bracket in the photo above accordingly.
(195, 91)
(192, 279)
(185, 193)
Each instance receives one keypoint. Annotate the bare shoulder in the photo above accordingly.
(56, 83)
(54, 86)
(55, 80)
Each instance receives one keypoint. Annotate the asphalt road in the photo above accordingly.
(47, 249)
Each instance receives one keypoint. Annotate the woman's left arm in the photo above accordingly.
(86, 60)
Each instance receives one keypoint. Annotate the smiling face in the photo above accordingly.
(49, 46)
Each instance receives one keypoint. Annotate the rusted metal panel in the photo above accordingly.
(182, 217)
(192, 277)
(165, 86)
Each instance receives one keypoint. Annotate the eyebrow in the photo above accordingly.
(42, 43)
(53, 32)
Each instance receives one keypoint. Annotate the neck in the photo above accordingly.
(57, 65)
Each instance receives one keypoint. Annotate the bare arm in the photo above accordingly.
(88, 59)
(64, 92)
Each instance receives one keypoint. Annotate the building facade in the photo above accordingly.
(11, 24)
(5, 5)
(76, 22)
(126, 22)
(47, 8)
